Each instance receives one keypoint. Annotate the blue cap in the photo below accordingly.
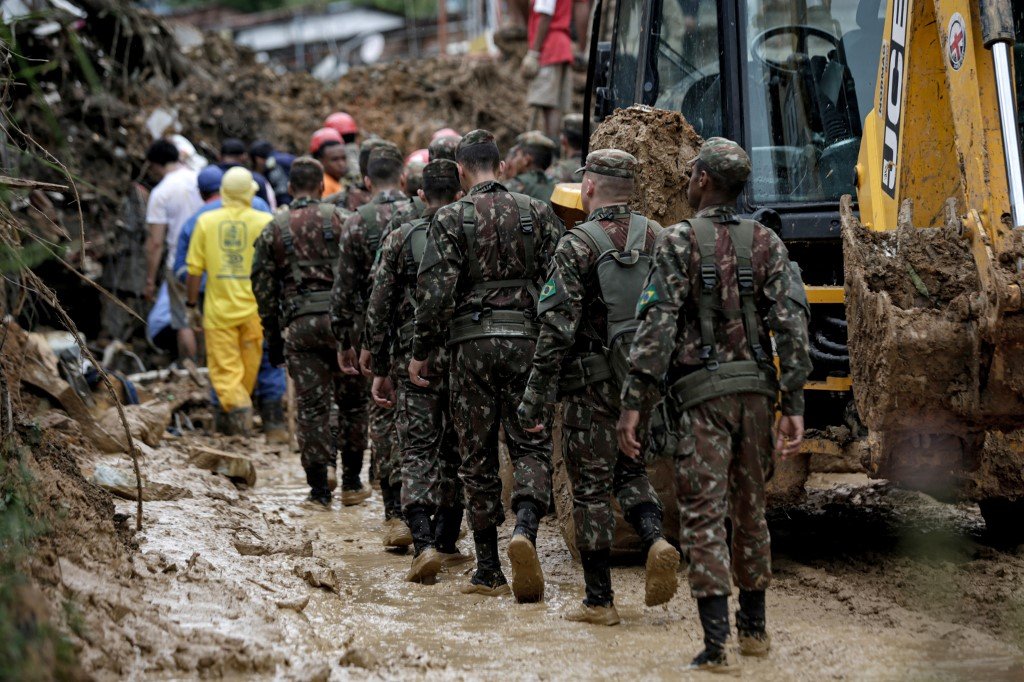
(210, 178)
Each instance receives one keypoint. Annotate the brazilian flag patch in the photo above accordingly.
(648, 297)
(549, 290)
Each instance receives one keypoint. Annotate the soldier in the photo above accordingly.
(572, 151)
(444, 147)
(587, 315)
(718, 286)
(431, 493)
(477, 290)
(354, 192)
(532, 158)
(292, 273)
(359, 243)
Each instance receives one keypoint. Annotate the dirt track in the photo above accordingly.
(872, 583)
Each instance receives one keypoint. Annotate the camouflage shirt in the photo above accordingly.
(273, 282)
(565, 170)
(444, 284)
(578, 324)
(351, 196)
(668, 342)
(391, 303)
(356, 254)
(533, 183)
(402, 215)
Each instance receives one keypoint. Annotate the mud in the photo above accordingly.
(663, 142)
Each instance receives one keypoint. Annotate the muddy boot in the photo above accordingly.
(447, 528)
(662, 557)
(352, 490)
(351, 470)
(274, 428)
(714, 618)
(427, 561)
(332, 477)
(488, 579)
(527, 576)
(240, 419)
(221, 423)
(598, 608)
(353, 496)
(319, 491)
(750, 625)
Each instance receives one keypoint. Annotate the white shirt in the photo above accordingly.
(544, 7)
(172, 202)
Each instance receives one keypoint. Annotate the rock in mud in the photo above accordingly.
(317, 576)
(121, 483)
(247, 543)
(235, 467)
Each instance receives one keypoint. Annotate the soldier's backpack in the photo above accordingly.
(374, 230)
(307, 302)
(414, 243)
(621, 276)
(483, 322)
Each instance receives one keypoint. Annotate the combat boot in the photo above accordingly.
(488, 579)
(319, 492)
(427, 561)
(350, 497)
(240, 420)
(447, 530)
(753, 637)
(598, 608)
(662, 558)
(714, 618)
(352, 490)
(274, 428)
(221, 422)
(332, 477)
(527, 576)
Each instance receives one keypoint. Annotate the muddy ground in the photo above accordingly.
(871, 583)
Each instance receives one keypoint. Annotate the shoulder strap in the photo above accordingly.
(369, 215)
(414, 242)
(327, 228)
(526, 226)
(283, 220)
(742, 235)
(469, 231)
(595, 237)
(706, 233)
(637, 237)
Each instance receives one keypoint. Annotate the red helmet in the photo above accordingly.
(342, 122)
(445, 132)
(421, 155)
(321, 136)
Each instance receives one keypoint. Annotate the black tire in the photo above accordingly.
(1004, 519)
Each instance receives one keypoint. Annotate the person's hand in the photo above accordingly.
(365, 363)
(383, 392)
(789, 435)
(626, 430)
(194, 317)
(531, 65)
(418, 371)
(149, 290)
(528, 420)
(347, 362)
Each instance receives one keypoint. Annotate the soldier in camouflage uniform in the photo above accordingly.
(431, 492)
(354, 191)
(532, 157)
(571, 362)
(444, 147)
(477, 288)
(292, 274)
(718, 286)
(565, 170)
(359, 243)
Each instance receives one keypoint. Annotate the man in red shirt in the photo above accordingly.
(548, 63)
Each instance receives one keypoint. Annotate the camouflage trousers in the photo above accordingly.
(427, 442)
(310, 351)
(596, 467)
(386, 457)
(724, 454)
(488, 378)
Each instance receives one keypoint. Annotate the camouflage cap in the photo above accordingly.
(386, 151)
(614, 162)
(572, 124)
(475, 137)
(444, 147)
(534, 138)
(726, 158)
(373, 142)
(441, 169)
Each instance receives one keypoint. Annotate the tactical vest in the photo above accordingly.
(483, 322)
(716, 379)
(371, 223)
(414, 243)
(621, 276)
(307, 302)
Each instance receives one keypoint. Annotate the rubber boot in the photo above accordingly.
(274, 428)
(427, 561)
(662, 558)
(488, 579)
(714, 618)
(240, 419)
(448, 525)
(221, 422)
(598, 608)
(319, 491)
(527, 576)
(751, 632)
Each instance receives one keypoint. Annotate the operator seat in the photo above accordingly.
(862, 47)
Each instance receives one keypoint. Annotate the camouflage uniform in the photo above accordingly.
(444, 147)
(308, 343)
(488, 374)
(533, 182)
(724, 454)
(567, 169)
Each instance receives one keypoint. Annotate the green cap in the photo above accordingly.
(475, 137)
(385, 151)
(614, 162)
(726, 158)
(444, 147)
(534, 138)
(572, 124)
(441, 169)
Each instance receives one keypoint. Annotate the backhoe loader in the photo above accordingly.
(885, 142)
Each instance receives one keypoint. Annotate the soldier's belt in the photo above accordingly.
(742, 376)
(583, 371)
(492, 324)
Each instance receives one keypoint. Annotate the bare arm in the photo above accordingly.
(154, 254)
(581, 22)
(542, 32)
(192, 286)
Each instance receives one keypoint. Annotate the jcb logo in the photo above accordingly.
(899, 10)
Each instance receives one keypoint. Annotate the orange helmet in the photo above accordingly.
(445, 132)
(421, 155)
(321, 136)
(342, 122)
